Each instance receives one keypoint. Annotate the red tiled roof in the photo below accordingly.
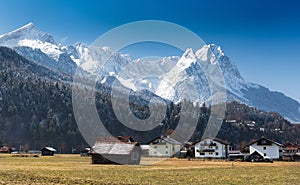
(4, 149)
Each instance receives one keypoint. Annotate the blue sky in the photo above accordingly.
(262, 38)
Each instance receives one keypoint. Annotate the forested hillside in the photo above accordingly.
(36, 110)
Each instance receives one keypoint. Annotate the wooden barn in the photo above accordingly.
(48, 151)
(116, 150)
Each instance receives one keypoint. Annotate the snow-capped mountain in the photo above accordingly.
(100, 60)
(27, 32)
(40, 47)
(159, 76)
(153, 74)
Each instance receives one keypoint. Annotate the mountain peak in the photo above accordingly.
(217, 50)
(212, 50)
(28, 26)
(29, 32)
(187, 58)
(189, 53)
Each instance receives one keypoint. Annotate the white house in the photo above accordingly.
(164, 147)
(211, 148)
(266, 148)
(145, 150)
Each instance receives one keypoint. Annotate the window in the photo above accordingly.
(281, 151)
(166, 152)
(265, 148)
(154, 152)
(265, 154)
(202, 153)
(217, 153)
(216, 147)
(166, 146)
(155, 146)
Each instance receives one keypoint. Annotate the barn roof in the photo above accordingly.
(49, 148)
(124, 139)
(115, 148)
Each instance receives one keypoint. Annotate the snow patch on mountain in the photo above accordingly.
(52, 50)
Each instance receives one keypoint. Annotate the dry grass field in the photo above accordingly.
(73, 169)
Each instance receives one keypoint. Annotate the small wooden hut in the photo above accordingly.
(48, 151)
(116, 150)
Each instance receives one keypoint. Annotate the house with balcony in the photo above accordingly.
(211, 148)
(266, 149)
(291, 152)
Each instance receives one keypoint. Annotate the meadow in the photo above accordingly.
(73, 169)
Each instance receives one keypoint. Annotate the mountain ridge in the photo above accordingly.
(40, 47)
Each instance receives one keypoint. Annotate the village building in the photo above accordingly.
(211, 148)
(85, 152)
(48, 151)
(6, 149)
(250, 124)
(232, 122)
(145, 150)
(164, 147)
(236, 155)
(266, 148)
(116, 150)
(187, 150)
(291, 152)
